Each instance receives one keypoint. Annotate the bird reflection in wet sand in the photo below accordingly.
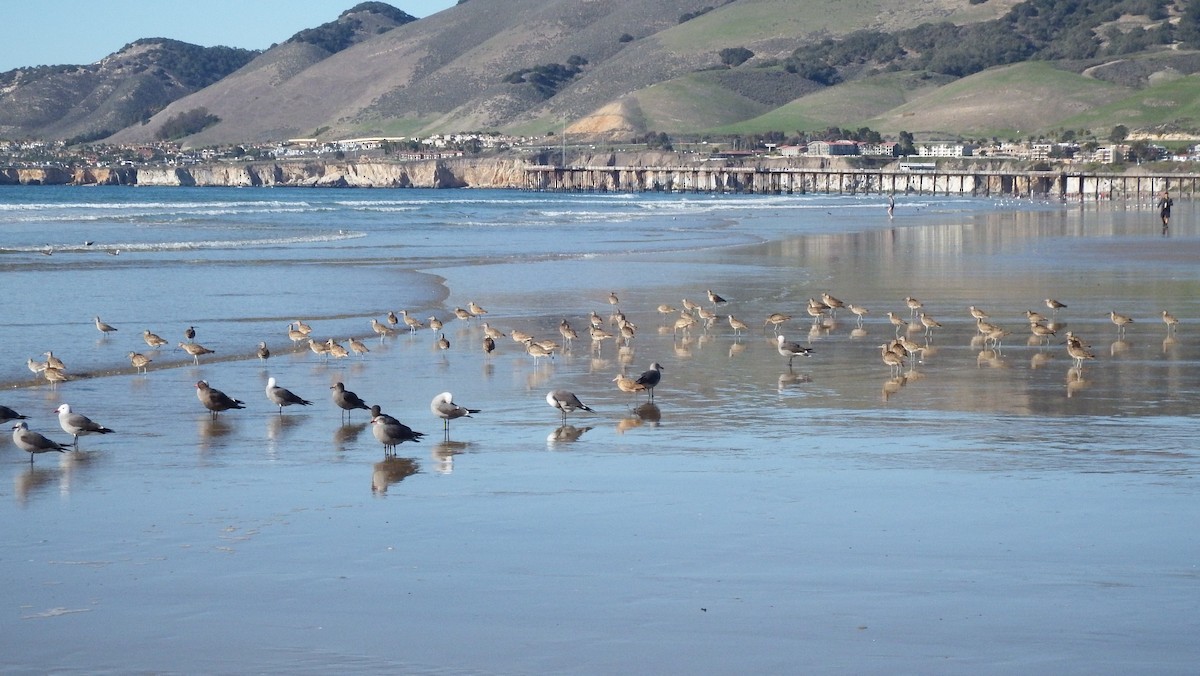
(444, 452)
(278, 425)
(347, 434)
(790, 377)
(892, 386)
(1075, 381)
(567, 434)
(34, 478)
(391, 470)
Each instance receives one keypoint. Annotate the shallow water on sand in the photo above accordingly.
(984, 510)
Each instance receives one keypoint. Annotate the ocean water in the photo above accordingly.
(985, 509)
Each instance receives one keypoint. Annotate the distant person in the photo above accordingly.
(891, 205)
(1164, 210)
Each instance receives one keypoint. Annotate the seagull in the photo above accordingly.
(215, 400)
(649, 378)
(791, 350)
(283, 397)
(31, 442)
(104, 328)
(391, 432)
(347, 400)
(565, 402)
(76, 424)
(7, 414)
(444, 407)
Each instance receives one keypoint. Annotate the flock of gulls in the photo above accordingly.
(895, 354)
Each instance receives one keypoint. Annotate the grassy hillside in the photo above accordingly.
(1171, 103)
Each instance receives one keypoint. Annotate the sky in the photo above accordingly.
(55, 32)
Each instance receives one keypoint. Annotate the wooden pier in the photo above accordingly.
(1066, 185)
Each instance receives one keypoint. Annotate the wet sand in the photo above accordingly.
(982, 514)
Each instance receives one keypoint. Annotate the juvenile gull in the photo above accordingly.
(650, 378)
(195, 349)
(565, 402)
(76, 424)
(31, 442)
(215, 400)
(347, 400)
(283, 397)
(444, 407)
(790, 349)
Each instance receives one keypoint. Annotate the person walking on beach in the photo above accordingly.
(891, 205)
(1164, 210)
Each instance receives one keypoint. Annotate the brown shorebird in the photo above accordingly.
(215, 400)
(35, 366)
(628, 384)
(689, 306)
(195, 349)
(859, 311)
(139, 361)
(565, 402)
(832, 303)
(392, 320)
(613, 300)
(893, 360)
(929, 323)
(1120, 320)
(336, 349)
(103, 328)
(599, 335)
(914, 305)
(1077, 351)
(435, 324)
(443, 406)
(896, 321)
(536, 350)
(489, 344)
(1170, 320)
(283, 397)
(319, 349)
(978, 315)
(736, 324)
(520, 336)
(54, 362)
(1041, 331)
(569, 334)
(475, 310)
(189, 334)
(684, 323)
(412, 322)
(153, 340)
(295, 335)
(790, 349)
(1054, 305)
(262, 352)
(714, 298)
(494, 334)
(665, 309)
(1035, 317)
(775, 319)
(77, 424)
(54, 376)
(380, 330)
(303, 328)
(462, 314)
(442, 343)
(32, 443)
(356, 346)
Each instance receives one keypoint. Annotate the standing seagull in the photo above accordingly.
(7, 414)
(649, 378)
(283, 397)
(391, 432)
(76, 424)
(215, 400)
(791, 350)
(31, 442)
(444, 407)
(347, 400)
(103, 328)
(565, 402)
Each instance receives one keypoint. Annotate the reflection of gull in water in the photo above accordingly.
(1075, 381)
(348, 434)
(32, 479)
(444, 453)
(567, 434)
(892, 386)
(790, 377)
(391, 470)
(280, 424)
(649, 412)
(213, 428)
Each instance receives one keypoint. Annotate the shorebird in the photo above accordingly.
(295, 335)
(336, 349)
(665, 309)
(195, 349)
(536, 350)
(1120, 320)
(153, 340)
(613, 300)
(628, 384)
(1035, 317)
(1041, 331)
(31, 442)
(832, 303)
(283, 397)
(893, 360)
(519, 336)
(1077, 351)
(598, 335)
(357, 347)
(7, 414)
(475, 310)
(302, 327)
(489, 345)
(391, 432)
(435, 324)
(979, 315)
(35, 367)
(411, 322)
(494, 334)
(707, 316)
(684, 323)
(775, 319)
(566, 402)
(896, 321)
(650, 378)
(379, 329)
(790, 349)
(139, 361)
(736, 324)
(262, 352)
(714, 298)
(54, 362)
(569, 334)
(319, 349)
(347, 400)
(1054, 305)
(914, 305)
(103, 328)
(54, 376)
(76, 424)
(189, 334)
(215, 400)
(462, 314)
(859, 311)
(392, 320)
(442, 343)
(1170, 320)
(443, 406)
(929, 323)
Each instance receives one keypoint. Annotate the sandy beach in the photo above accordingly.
(987, 510)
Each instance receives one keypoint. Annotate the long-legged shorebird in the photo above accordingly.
(262, 351)
(54, 362)
(914, 305)
(929, 323)
(1170, 320)
(1054, 305)
(775, 319)
(32, 443)
(714, 298)
(195, 349)
(475, 310)
(139, 361)
(153, 340)
(832, 303)
(103, 328)
(215, 400)
(736, 324)
(790, 349)
(380, 330)
(977, 314)
(1041, 331)
(77, 425)
(283, 397)
(896, 321)
(893, 360)
(1120, 320)
(859, 312)
(356, 346)
(628, 384)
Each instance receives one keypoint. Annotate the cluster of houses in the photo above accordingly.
(1030, 151)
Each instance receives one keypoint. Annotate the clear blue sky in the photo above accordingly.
(53, 32)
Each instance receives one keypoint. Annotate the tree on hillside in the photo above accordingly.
(735, 56)
(1119, 133)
